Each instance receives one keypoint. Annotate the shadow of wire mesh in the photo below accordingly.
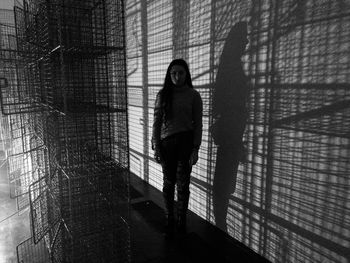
(291, 197)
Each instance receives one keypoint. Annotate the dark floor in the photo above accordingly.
(203, 242)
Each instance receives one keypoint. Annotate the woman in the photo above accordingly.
(176, 137)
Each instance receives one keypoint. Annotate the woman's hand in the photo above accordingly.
(194, 157)
(157, 156)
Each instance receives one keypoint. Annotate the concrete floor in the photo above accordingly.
(202, 243)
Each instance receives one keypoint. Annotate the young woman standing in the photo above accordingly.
(176, 138)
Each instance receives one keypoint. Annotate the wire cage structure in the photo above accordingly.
(64, 92)
(288, 200)
(7, 40)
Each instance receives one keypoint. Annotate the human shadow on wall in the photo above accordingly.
(230, 115)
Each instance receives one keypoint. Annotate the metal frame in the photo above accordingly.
(67, 103)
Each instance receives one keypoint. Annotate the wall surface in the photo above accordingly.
(6, 4)
(283, 189)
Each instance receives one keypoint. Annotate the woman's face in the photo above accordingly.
(178, 75)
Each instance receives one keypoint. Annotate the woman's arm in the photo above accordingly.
(197, 120)
(197, 125)
(157, 122)
(156, 128)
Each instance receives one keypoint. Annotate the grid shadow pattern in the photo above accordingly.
(288, 198)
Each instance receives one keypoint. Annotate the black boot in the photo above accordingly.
(168, 194)
(182, 205)
(181, 223)
(183, 194)
(169, 226)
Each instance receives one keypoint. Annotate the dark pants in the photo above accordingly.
(175, 151)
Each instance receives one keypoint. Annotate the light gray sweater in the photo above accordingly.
(187, 110)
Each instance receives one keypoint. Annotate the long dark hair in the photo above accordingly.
(166, 93)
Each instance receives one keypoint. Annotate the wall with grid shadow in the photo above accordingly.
(290, 198)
